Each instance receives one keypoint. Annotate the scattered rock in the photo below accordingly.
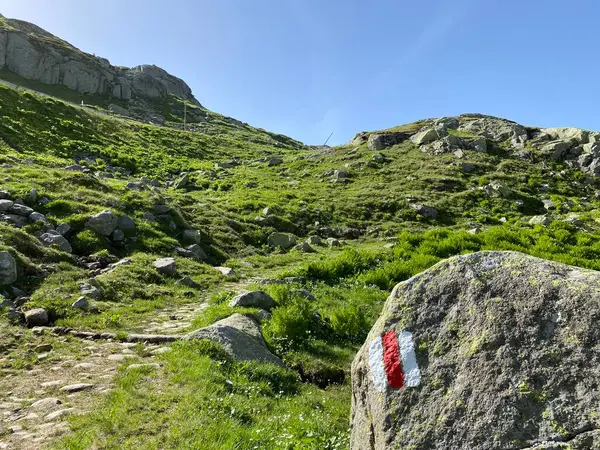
(46, 403)
(72, 388)
(103, 223)
(283, 240)
(187, 281)
(6, 205)
(226, 271)
(8, 268)
(81, 303)
(58, 414)
(118, 236)
(304, 247)
(37, 317)
(304, 294)
(21, 210)
(333, 242)
(428, 135)
(166, 266)
(183, 182)
(58, 240)
(426, 211)
(192, 236)
(314, 240)
(63, 229)
(382, 141)
(255, 299)
(126, 224)
(540, 220)
(240, 337)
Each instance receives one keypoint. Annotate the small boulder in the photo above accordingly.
(6, 205)
(8, 268)
(255, 299)
(304, 247)
(165, 266)
(283, 240)
(183, 181)
(103, 223)
(63, 229)
(187, 281)
(37, 317)
(192, 236)
(37, 217)
(126, 224)
(58, 240)
(118, 236)
(226, 271)
(333, 242)
(428, 212)
(240, 337)
(81, 303)
(21, 210)
(540, 220)
(314, 240)
(428, 135)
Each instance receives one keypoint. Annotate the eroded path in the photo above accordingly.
(46, 377)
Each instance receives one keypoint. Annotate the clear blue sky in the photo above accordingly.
(306, 68)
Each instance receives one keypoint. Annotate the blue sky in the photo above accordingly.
(307, 68)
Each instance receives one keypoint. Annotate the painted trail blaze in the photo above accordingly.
(393, 362)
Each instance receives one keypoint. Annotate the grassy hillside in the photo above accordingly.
(197, 397)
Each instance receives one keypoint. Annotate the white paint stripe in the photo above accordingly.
(376, 363)
(412, 374)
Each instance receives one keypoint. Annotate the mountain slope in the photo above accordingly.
(90, 200)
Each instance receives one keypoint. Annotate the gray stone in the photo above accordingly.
(37, 317)
(428, 135)
(240, 337)
(275, 161)
(426, 211)
(187, 281)
(45, 404)
(6, 205)
(37, 217)
(21, 210)
(103, 223)
(549, 204)
(81, 303)
(63, 229)
(540, 220)
(314, 240)
(183, 181)
(72, 388)
(8, 268)
(254, 299)
(283, 240)
(14, 220)
(126, 224)
(49, 239)
(304, 247)
(166, 266)
(505, 345)
(341, 174)
(192, 236)
(161, 209)
(4, 195)
(467, 167)
(333, 242)
(226, 271)
(118, 236)
(382, 141)
(87, 290)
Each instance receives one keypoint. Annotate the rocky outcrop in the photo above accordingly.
(35, 54)
(493, 350)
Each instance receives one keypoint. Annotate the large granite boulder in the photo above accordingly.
(493, 350)
(240, 337)
(8, 268)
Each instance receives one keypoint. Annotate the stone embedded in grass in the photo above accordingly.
(183, 182)
(304, 294)
(314, 240)
(118, 236)
(126, 224)
(428, 212)
(226, 271)
(283, 240)
(333, 242)
(37, 317)
(21, 210)
(72, 388)
(187, 281)
(304, 247)
(540, 220)
(49, 240)
(46, 403)
(58, 414)
(37, 217)
(240, 337)
(166, 266)
(254, 299)
(63, 229)
(161, 209)
(8, 268)
(103, 223)
(192, 236)
(5, 205)
(81, 303)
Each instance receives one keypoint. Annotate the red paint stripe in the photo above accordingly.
(392, 360)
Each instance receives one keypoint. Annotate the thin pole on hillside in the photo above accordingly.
(184, 114)
(328, 139)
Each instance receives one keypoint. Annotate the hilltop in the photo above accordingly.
(121, 237)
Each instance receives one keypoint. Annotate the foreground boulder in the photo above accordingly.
(493, 350)
(240, 337)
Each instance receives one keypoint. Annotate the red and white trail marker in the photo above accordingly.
(393, 361)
